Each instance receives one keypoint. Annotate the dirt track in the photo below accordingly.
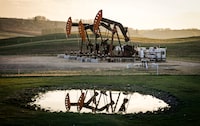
(35, 64)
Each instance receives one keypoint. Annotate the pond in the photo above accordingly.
(97, 101)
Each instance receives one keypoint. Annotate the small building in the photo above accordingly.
(152, 53)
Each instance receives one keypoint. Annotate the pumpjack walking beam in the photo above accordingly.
(107, 22)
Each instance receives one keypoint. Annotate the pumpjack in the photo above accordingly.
(102, 48)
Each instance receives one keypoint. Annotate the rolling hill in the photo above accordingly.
(53, 44)
(12, 27)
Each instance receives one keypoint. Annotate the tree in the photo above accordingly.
(40, 18)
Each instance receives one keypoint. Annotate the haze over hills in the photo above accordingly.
(165, 33)
(39, 25)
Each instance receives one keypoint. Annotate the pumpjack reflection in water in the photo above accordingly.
(97, 101)
(81, 102)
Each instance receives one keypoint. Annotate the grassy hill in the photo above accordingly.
(12, 27)
(53, 44)
(165, 33)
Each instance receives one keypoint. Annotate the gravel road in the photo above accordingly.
(14, 64)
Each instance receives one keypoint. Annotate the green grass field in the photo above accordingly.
(185, 88)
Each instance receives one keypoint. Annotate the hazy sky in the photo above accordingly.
(140, 14)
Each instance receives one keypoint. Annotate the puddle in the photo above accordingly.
(97, 101)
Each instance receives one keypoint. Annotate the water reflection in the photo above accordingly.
(97, 101)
